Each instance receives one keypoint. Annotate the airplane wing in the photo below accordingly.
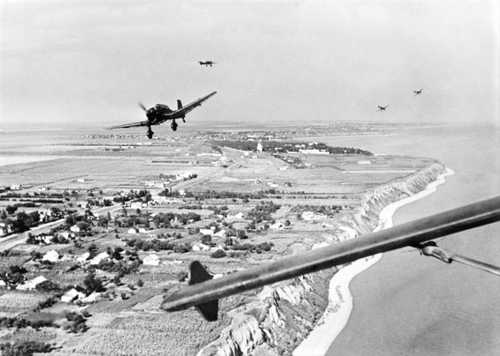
(187, 108)
(204, 292)
(132, 124)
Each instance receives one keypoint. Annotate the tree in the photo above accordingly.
(218, 254)
(206, 239)
(11, 209)
(23, 222)
(93, 284)
(35, 216)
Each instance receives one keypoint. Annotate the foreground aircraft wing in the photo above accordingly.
(204, 292)
(192, 105)
(132, 124)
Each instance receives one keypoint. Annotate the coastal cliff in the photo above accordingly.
(282, 315)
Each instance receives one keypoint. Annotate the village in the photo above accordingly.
(75, 249)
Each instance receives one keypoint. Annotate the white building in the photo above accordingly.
(51, 256)
(151, 260)
(32, 283)
(75, 229)
(100, 257)
(72, 295)
(259, 147)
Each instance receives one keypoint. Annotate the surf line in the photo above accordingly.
(340, 299)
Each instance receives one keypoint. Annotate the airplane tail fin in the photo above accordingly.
(198, 274)
(179, 104)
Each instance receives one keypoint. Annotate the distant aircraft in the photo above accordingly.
(204, 292)
(382, 108)
(206, 63)
(160, 113)
(418, 92)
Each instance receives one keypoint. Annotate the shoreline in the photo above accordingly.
(340, 300)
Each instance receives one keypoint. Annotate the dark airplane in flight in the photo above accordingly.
(382, 108)
(161, 113)
(206, 63)
(418, 92)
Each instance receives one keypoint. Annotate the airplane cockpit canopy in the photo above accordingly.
(162, 107)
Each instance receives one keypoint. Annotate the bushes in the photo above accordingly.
(159, 245)
(26, 348)
(93, 284)
(154, 244)
(182, 248)
(47, 303)
(11, 209)
(206, 239)
(259, 248)
(19, 323)
(218, 254)
(48, 286)
(13, 276)
(165, 219)
(76, 323)
(262, 212)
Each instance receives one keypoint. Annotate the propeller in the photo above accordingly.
(141, 105)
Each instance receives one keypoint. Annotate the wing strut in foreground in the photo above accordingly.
(412, 234)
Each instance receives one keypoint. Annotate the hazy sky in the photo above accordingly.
(89, 62)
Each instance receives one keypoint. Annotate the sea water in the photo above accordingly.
(408, 304)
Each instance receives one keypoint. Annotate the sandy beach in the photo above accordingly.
(341, 303)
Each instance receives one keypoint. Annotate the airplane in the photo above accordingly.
(382, 108)
(206, 63)
(418, 92)
(160, 113)
(204, 292)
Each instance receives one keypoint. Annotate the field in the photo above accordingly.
(249, 207)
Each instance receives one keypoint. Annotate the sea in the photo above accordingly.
(407, 304)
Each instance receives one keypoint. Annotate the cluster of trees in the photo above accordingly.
(328, 210)
(83, 221)
(92, 283)
(173, 177)
(257, 248)
(121, 267)
(132, 220)
(212, 194)
(25, 348)
(296, 162)
(40, 239)
(19, 322)
(142, 195)
(159, 245)
(174, 235)
(289, 146)
(162, 220)
(76, 322)
(48, 286)
(262, 212)
(218, 254)
(22, 221)
(13, 275)
(99, 202)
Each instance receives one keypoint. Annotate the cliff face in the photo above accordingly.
(283, 314)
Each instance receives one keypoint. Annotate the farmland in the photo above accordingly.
(131, 217)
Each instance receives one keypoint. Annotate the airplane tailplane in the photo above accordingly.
(179, 104)
(198, 274)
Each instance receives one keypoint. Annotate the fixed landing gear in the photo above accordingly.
(150, 133)
(173, 125)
